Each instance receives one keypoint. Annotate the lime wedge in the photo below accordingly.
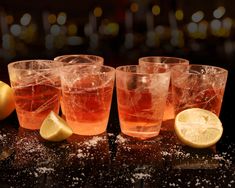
(54, 128)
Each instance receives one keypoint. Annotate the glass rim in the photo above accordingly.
(219, 70)
(67, 69)
(13, 65)
(142, 59)
(61, 57)
(118, 69)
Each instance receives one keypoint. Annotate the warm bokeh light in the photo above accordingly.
(179, 15)
(72, 29)
(134, 7)
(98, 12)
(156, 10)
(52, 18)
(109, 28)
(9, 19)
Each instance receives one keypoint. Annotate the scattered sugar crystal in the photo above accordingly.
(44, 170)
(94, 141)
(141, 175)
(165, 153)
(2, 136)
(217, 157)
(110, 134)
(120, 139)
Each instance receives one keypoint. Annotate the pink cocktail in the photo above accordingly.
(37, 89)
(87, 94)
(150, 63)
(78, 59)
(141, 98)
(198, 86)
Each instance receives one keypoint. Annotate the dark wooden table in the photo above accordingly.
(111, 160)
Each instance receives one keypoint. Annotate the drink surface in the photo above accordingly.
(34, 102)
(140, 112)
(87, 108)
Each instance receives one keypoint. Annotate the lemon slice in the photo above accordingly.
(7, 105)
(54, 128)
(198, 128)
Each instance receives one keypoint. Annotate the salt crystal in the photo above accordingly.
(120, 139)
(110, 134)
(165, 153)
(217, 157)
(44, 170)
(93, 141)
(2, 136)
(80, 155)
(141, 175)
(35, 174)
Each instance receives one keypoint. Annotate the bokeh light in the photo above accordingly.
(98, 12)
(55, 29)
(179, 15)
(25, 19)
(156, 10)
(52, 18)
(197, 16)
(15, 29)
(219, 12)
(215, 24)
(134, 7)
(72, 29)
(61, 19)
(192, 27)
(9, 19)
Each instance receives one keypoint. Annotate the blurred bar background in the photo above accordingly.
(120, 28)
(121, 31)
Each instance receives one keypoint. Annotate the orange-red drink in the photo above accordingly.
(36, 87)
(141, 99)
(150, 63)
(198, 86)
(74, 59)
(87, 95)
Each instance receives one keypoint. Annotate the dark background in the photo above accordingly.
(122, 31)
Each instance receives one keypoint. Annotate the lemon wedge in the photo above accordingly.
(198, 128)
(7, 105)
(54, 128)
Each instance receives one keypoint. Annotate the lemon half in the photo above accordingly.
(54, 128)
(198, 128)
(7, 105)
